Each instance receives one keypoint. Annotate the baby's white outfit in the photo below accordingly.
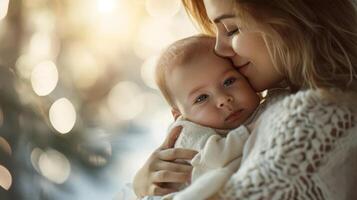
(219, 156)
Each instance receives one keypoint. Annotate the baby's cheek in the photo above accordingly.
(206, 118)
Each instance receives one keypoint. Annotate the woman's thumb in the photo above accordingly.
(171, 138)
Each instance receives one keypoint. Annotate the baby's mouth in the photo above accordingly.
(234, 116)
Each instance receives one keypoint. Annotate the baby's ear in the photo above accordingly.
(175, 113)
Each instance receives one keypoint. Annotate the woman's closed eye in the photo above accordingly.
(230, 26)
(229, 81)
(201, 98)
(232, 32)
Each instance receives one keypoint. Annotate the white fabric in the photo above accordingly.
(303, 147)
(218, 158)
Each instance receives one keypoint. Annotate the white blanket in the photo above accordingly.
(218, 158)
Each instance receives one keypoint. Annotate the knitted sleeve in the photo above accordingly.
(298, 133)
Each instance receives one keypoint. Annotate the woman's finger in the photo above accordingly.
(160, 191)
(171, 138)
(172, 166)
(177, 153)
(170, 177)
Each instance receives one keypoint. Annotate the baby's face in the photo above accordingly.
(210, 92)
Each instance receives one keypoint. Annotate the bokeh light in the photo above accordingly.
(125, 100)
(4, 5)
(85, 71)
(25, 64)
(148, 72)
(114, 23)
(264, 93)
(162, 8)
(44, 78)
(5, 178)
(44, 45)
(105, 6)
(153, 36)
(35, 157)
(43, 20)
(5, 146)
(101, 56)
(54, 166)
(62, 115)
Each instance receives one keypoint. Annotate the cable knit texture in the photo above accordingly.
(305, 147)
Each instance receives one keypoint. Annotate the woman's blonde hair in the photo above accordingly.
(312, 42)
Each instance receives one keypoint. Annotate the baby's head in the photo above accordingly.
(203, 87)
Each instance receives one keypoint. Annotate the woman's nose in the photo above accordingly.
(225, 101)
(223, 46)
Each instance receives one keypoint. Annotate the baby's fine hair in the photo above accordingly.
(312, 42)
(178, 54)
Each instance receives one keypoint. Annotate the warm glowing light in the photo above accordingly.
(24, 65)
(162, 8)
(264, 93)
(35, 157)
(5, 178)
(44, 78)
(114, 25)
(154, 34)
(85, 71)
(4, 5)
(148, 72)
(54, 166)
(41, 45)
(125, 101)
(105, 6)
(5, 146)
(62, 115)
(86, 76)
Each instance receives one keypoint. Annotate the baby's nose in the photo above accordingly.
(225, 101)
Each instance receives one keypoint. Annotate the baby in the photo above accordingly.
(211, 100)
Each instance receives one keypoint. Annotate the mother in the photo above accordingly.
(305, 145)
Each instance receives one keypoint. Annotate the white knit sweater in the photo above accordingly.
(303, 147)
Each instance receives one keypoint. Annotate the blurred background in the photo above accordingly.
(79, 110)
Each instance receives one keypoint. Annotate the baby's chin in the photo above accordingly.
(224, 129)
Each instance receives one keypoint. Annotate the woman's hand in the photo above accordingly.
(161, 174)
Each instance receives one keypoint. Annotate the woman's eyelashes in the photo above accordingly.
(232, 32)
(229, 81)
(231, 29)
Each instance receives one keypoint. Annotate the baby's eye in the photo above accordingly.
(229, 81)
(201, 98)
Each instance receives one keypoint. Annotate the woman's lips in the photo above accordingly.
(234, 116)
